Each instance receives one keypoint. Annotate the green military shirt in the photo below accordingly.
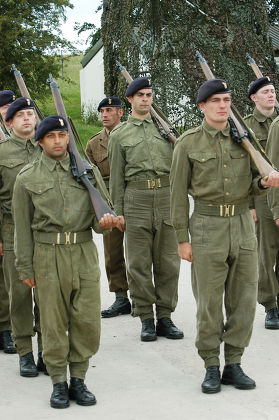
(260, 124)
(50, 201)
(272, 151)
(212, 168)
(15, 153)
(137, 151)
(97, 151)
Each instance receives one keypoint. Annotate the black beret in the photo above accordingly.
(137, 84)
(51, 123)
(110, 101)
(18, 105)
(259, 83)
(211, 87)
(6, 97)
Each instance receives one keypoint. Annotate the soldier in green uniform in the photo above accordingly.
(140, 160)
(262, 93)
(15, 152)
(55, 253)
(6, 341)
(111, 111)
(222, 246)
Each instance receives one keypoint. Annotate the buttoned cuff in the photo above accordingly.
(26, 273)
(182, 235)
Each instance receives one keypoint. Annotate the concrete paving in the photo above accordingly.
(151, 381)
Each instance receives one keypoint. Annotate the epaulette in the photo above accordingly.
(26, 167)
(247, 116)
(4, 140)
(119, 126)
(91, 138)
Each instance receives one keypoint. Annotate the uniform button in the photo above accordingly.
(227, 193)
(40, 191)
(225, 152)
(203, 159)
(226, 179)
(225, 166)
(221, 139)
(242, 154)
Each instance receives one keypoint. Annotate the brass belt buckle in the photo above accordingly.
(227, 210)
(68, 238)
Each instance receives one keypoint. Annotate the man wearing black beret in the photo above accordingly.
(6, 341)
(262, 93)
(55, 254)
(111, 111)
(140, 160)
(219, 239)
(15, 152)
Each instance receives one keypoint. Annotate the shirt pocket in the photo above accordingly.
(240, 162)
(135, 150)
(204, 165)
(12, 163)
(43, 195)
(79, 198)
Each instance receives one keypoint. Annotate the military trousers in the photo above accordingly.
(68, 288)
(268, 250)
(5, 323)
(224, 275)
(21, 302)
(114, 260)
(151, 248)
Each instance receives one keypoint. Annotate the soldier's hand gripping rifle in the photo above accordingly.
(164, 126)
(24, 91)
(258, 74)
(240, 132)
(81, 169)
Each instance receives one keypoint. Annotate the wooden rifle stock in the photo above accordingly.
(263, 166)
(24, 91)
(258, 72)
(82, 168)
(165, 125)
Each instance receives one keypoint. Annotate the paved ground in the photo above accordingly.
(151, 381)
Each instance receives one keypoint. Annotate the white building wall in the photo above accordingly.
(92, 82)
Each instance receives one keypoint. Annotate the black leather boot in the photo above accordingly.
(120, 306)
(78, 391)
(148, 332)
(60, 395)
(234, 375)
(41, 367)
(27, 366)
(7, 342)
(211, 383)
(166, 328)
(272, 319)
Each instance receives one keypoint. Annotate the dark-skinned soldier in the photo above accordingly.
(15, 152)
(222, 246)
(56, 254)
(6, 341)
(262, 93)
(110, 109)
(140, 160)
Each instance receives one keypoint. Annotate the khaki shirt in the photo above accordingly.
(15, 153)
(48, 199)
(211, 167)
(260, 124)
(97, 151)
(137, 151)
(272, 151)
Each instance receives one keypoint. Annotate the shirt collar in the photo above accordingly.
(51, 163)
(139, 121)
(262, 118)
(213, 131)
(19, 141)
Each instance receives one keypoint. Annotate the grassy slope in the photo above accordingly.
(70, 91)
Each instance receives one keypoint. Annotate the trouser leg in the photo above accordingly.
(5, 323)
(114, 261)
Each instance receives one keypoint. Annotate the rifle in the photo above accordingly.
(258, 74)
(24, 91)
(164, 126)
(3, 130)
(2, 135)
(259, 157)
(81, 168)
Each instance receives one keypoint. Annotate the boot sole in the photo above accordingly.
(228, 382)
(171, 337)
(148, 338)
(53, 405)
(271, 328)
(29, 375)
(11, 351)
(211, 391)
(115, 314)
(82, 402)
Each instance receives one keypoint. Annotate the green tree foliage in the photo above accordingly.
(160, 38)
(29, 38)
